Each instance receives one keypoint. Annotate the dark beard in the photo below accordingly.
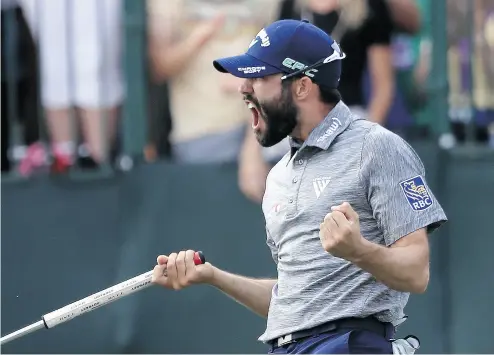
(280, 117)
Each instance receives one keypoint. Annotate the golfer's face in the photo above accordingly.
(271, 105)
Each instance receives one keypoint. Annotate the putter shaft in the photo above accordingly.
(91, 303)
(21, 332)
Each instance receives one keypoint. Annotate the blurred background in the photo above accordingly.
(120, 142)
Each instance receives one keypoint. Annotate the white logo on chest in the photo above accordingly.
(320, 184)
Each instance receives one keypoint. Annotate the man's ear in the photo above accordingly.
(303, 88)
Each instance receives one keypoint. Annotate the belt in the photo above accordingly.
(370, 323)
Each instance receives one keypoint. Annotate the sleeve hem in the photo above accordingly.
(432, 224)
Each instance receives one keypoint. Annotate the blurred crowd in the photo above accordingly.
(63, 83)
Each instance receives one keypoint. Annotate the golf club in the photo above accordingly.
(90, 303)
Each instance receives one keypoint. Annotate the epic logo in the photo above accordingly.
(293, 64)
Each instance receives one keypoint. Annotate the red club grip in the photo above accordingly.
(199, 258)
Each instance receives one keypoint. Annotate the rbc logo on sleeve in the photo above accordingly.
(416, 193)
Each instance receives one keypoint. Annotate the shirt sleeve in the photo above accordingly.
(394, 180)
(272, 246)
(378, 28)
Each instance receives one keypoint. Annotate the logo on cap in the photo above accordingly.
(293, 64)
(250, 70)
(263, 35)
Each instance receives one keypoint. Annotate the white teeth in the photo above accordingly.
(251, 105)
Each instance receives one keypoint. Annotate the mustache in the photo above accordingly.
(256, 103)
(252, 99)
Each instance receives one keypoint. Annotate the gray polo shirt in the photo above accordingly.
(345, 158)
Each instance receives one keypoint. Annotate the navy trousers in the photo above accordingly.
(341, 341)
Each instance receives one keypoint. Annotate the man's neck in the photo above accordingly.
(311, 119)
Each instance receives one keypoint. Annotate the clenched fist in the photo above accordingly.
(178, 271)
(340, 232)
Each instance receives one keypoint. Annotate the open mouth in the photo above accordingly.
(255, 115)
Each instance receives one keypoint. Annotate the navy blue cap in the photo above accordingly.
(290, 47)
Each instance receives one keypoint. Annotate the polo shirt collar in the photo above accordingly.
(337, 120)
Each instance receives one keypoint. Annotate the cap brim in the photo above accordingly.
(245, 66)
